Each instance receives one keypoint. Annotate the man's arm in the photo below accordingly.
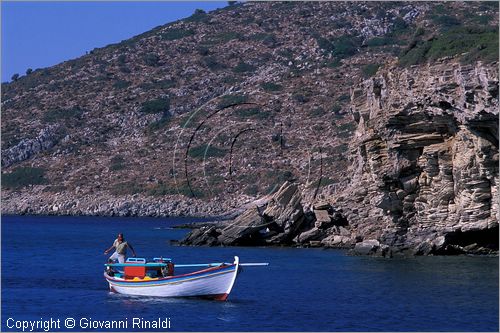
(111, 248)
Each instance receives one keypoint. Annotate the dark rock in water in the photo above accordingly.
(315, 234)
(279, 223)
(244, 230)
(286, 210)
(366, 247)
(424, 248)
(206, 235)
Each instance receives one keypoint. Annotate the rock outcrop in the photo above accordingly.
(425, 158)
(277, 223)
(26, 148)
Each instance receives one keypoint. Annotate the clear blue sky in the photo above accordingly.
(42, 34)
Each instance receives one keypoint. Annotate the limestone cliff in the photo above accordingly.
(425, 157)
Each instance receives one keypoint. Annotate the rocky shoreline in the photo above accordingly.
(38, 202)
(284, 222)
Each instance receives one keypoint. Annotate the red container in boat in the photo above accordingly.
(135, 271)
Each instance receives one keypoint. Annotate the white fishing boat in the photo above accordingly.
(156, 278)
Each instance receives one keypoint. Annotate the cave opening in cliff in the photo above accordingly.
(486, 238)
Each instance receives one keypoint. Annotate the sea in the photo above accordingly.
(52, 280)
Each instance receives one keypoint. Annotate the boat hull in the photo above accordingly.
(213, 283)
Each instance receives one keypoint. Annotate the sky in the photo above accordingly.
(42, 34)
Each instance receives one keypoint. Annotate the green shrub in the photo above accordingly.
(128, 187)
(399, 26)
(489, 5)
(203, 50)
(370, 70)
(286, 53)
(343, 98)
(270, 86)
(341, 47)
(260, 36)
(253, 113)
(55, 188)
(190, 192)
(156, 106)
(125, 69)
(340, 149)
(212, 63)
(224, 37)
(160, 84)
(168, 189)
(345, 46)
(206, 151)
(199, 15)
(445, 21)
(346, 128)
(318, 112)
(164, 84)
(174, 34)
(336, 108)
(243, 67)
(15, 77)
(477, 43)
(29, 71)
(381, 41)
(266, 39)
(251, 190)
(121, 84)
(300, 98)
(117, 163)
(56, 115)
(482, 19)
(325, 44)
(24, 176)
(121, 59)
(161, 190)
(332, 63)
(151, 59)
(161, 123)
(228, 100)
(341, 23)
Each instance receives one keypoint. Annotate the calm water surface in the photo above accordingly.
(52, 268)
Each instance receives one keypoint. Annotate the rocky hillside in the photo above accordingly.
(387, 111)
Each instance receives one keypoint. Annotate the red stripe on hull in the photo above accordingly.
(217, 297)
(221, 297)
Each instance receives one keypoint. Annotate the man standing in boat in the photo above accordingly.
(120, 246)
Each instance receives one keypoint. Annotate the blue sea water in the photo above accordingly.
(52, 268)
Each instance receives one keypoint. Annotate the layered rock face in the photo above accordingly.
(423, 177)
(276, 222)
(282, 220)
(425, 159)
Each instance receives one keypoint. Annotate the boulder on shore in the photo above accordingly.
(278, 223)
